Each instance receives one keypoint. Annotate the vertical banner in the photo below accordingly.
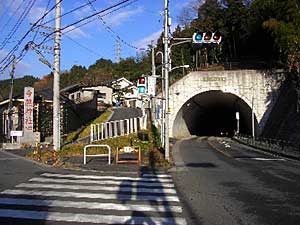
(28, 109)
(151, 85)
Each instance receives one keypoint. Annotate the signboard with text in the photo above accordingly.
(28, 109)
(151, 85)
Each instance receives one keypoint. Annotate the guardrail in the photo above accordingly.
(116, 128)
(96, 155)
(281, 147)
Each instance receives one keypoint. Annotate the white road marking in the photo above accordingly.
(260, 159)
(89, 218)
(10, 158)
(98, 188)
(107, 177)
(121, 197)
(104, 182)
(157, 175)
(91, 205)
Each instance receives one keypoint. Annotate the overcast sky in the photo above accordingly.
(136, 24)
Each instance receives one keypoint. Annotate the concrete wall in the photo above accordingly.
(260, 85)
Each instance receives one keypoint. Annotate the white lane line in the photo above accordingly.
(91, 205)
(98, 188)
(157, 175)
(104, 182)
(106, 177)
(260, 159)
(121, 197)
(10, 158)
(89, 218)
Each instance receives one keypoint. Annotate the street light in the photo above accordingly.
(177, 67)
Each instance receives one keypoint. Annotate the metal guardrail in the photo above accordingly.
(96, 155)
(116, 128)
(281, 147)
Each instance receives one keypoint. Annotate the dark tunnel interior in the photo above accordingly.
(213, 113)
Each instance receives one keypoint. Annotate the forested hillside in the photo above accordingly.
(19, 85)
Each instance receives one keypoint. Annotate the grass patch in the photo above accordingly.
(102, 118)
(85, 131)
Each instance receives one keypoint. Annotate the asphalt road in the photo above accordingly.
(222, 182)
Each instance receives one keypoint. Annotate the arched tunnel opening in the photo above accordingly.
(213, 113)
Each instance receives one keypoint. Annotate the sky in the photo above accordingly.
(136, 24)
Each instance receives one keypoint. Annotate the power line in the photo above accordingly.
(18, 23)
(83, 46)
(25, 49)
(73, 10)
(12, 16)
(111, 31)
(86, 18)
(47, 6)
(6, 9)
(83, 24)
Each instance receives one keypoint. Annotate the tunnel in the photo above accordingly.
(214, 113)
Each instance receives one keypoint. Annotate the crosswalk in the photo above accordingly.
(92, 199)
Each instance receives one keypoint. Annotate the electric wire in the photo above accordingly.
(64, 14)
(5, 10)
(18, 23)
(84, 47)
(85, 18)
(71, 39)
(110, 30)
(5, 61)
(35, 35)
(12, 16)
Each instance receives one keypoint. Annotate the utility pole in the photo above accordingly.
(152, 100)
(162, 99)
(166, 74)
(12, 73)
(56, 71)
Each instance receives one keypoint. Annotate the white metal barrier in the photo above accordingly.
(116, 128)
(96, 155)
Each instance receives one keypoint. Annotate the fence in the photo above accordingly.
(280, 147)
(102, 131)
(85, 155)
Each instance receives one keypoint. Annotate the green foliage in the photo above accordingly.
(19, 85)
(114, 143)
(85, 131)
(101, 119)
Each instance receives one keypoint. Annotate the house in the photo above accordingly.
(125, 92)
(112, 92)
(79, 94)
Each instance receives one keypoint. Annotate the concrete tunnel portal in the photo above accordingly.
(213, 113)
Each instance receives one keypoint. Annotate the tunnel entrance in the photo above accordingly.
(213, 113)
